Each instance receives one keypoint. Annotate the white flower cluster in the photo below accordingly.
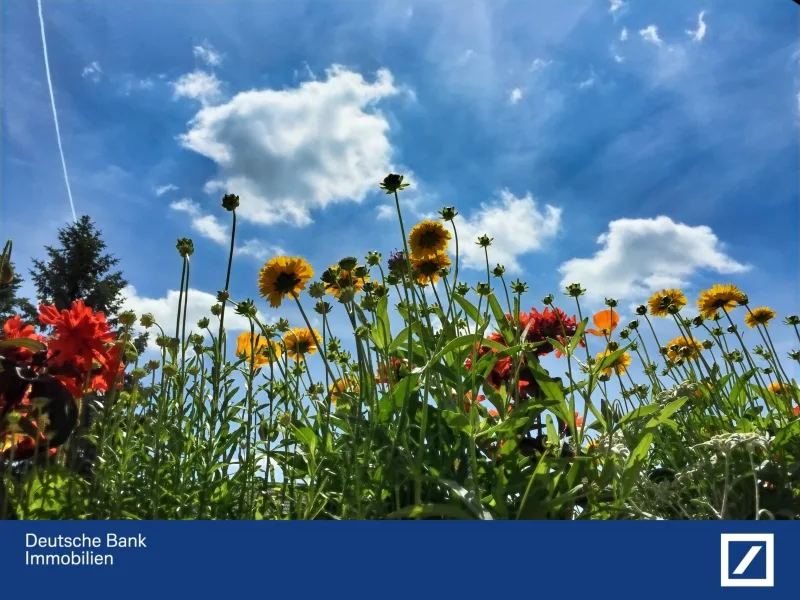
(725, 443)
(682, 390)
(615, 444)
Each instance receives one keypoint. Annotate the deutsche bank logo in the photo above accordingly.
(748, 559)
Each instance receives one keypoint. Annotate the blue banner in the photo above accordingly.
(642, 560)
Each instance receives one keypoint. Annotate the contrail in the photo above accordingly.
(55, 116)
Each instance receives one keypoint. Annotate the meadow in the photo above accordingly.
(449, 416)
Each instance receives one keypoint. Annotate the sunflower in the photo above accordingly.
(300, 342)
(759, 316)
(281, 276)
(348, 384)
(427, 269)
(264, 349)
(344, 278)
(661, 301)
(725, 297)
(683, 347)
(620, 364)
(428, 239)
(778, 388)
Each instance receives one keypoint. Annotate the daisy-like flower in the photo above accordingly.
(778, 388)
(620, 364)
(343, 279)
(726, 297)
(282, 276)
(759, 316)
(80, 336)
(427, 269)
(301, 342)
(605, 321)
(660, 302)
(348, 384)
(263, 348)
(428, 239)
(683, 347)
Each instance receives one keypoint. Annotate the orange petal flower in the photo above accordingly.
(605, 321)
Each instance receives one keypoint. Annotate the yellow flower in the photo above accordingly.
(344, 279)
(592, 446)
(778, 388)
(427, 269)
(428, 239)
(726, 297)
(244, 346)
(300, 342)
(759, 316)
(620, 364)
(281, 276)
(343, 385)
(661, 301)
(683, 347)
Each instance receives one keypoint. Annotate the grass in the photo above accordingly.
(450, 416)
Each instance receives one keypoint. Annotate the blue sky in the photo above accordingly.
(625, 144)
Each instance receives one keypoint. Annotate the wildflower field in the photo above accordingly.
(448, 415)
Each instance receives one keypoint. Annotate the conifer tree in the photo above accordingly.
(10, 303)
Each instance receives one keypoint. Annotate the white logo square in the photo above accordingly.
(768, 541)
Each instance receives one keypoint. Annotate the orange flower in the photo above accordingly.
(605, 321)
(81, 335)
(493, 413)
(796, 410)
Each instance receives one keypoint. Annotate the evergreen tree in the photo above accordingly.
(10, 303)
(80, 270)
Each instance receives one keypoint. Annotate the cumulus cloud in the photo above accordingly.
(210, 227)
(699, 33)
(540, 64)
(208, 54)
(206, 225)
(590, 81)
(638, 256)
(517, 225)
(515, 96)
(615, 6)
(164, 189)
(258, 250)
(198, 85)
(287, 152)
(164, 309)
(93, 71)
(623, 36)
(650, 34)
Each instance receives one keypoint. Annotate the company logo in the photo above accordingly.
(748, 559)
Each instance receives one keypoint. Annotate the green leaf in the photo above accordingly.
(500, 317)
(637, 413)
(578, 335)
(421, 511)
(457, 421)
(306, 437)
(635, 462)
(381, 332)
(552, 432)
(469, 308)
(467, 497)
(607, 361)
(392, 400)
(28, 344)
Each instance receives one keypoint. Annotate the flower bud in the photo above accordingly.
(127, 318)
(641, 310)
(202, 323)
(498, 271)
(484, 241)
(448, 213)
(393, 183)
(216, 310)
(230, 202)
(185, 247)
(147, 320)
(373, 258)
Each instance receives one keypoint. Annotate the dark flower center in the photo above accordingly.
(430, 239)
(286, 282)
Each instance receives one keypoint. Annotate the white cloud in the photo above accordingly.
(258, 250)
(650, 34)
(287, 152)
(589, 81)
(386, 211)
(515, 96)
(698, 34)
(161, 190)
(198, 305)
(619, 58)
(210, 227)
(539, 64)
(517, 225)
(623, 36)
(92, 71)
(198, 85)
(638, 256)
(615, 6)
(208, 54)
(206, 225)
(465, 57)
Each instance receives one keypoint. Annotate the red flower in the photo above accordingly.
(13, 329)
(80, 337)
(796, 410)
(553, 324)
(391, 373)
